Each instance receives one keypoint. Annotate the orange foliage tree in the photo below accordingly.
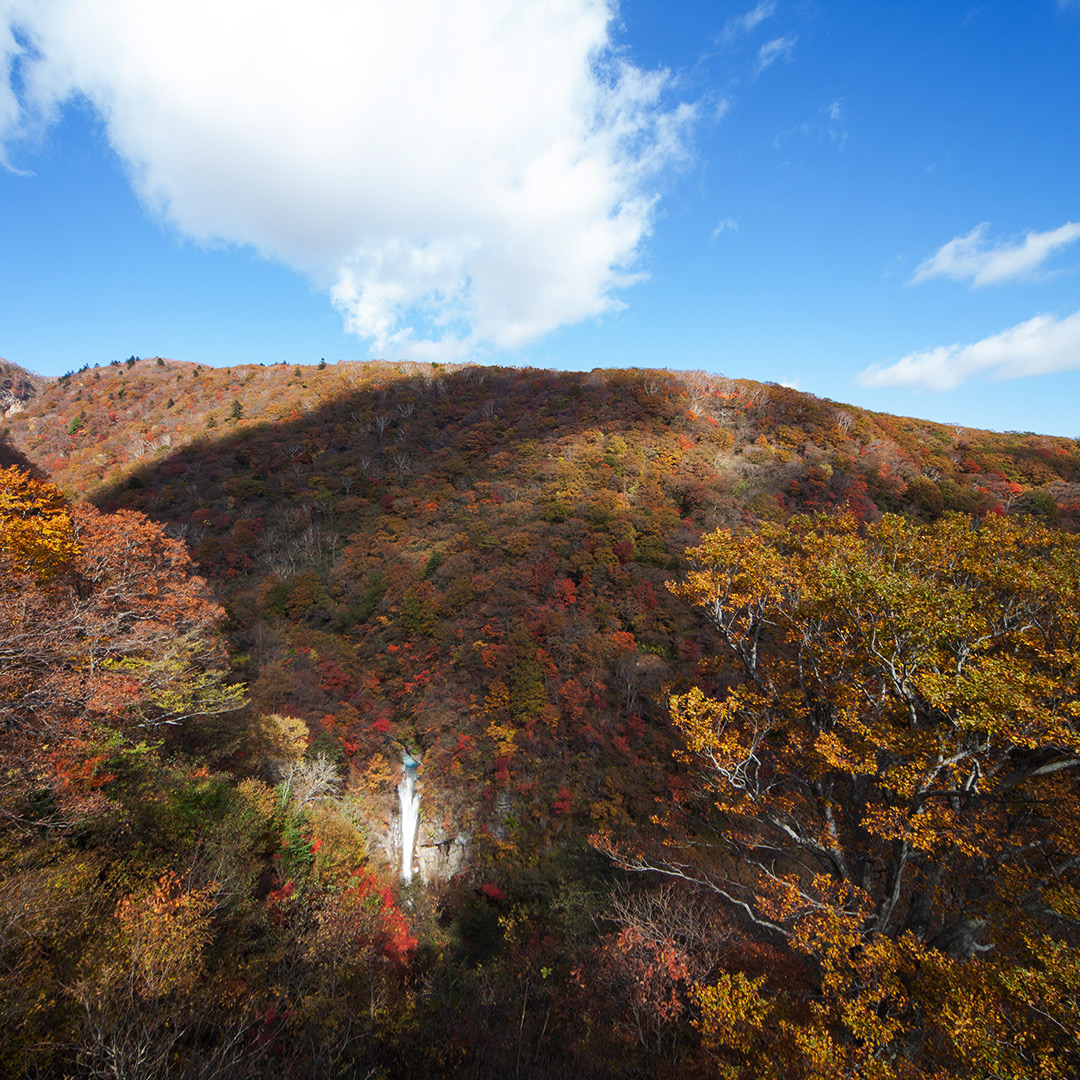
(890, 790)
(105, 633)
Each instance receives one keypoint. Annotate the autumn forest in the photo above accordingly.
(746, 727)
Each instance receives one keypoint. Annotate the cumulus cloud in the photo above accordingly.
(9, 105)
(973, 258)
(779, 48)
(1039, 346)
(455, 175)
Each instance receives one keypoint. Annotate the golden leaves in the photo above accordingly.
(894, 787)
(850, 749)
(733, 1010)
(164, 935)
(36, 534)
(495, 711)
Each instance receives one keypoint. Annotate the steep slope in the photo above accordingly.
(470, 562)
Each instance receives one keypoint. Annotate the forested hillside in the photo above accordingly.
(750, 440)
(251, 590)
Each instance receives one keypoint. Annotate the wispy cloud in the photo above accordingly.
(454, 176)
(723, 226)
(1039, 346)
(743, 24)
(972, 14)
(834, 113)
(781, 137)
(832, 128)
(980, 261)
(780, 48)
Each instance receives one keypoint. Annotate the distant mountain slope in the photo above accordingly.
(18, 387)
(94, 427)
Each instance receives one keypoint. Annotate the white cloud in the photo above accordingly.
(834, 111)
(1039, 346)
(832, 128)
(781, 137)
(745, 23)
(723, 225)
(972, 258)
(778, 49)
(454, 174)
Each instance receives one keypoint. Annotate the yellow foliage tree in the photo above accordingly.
(891, 788)
(36, 533)
(280, 738)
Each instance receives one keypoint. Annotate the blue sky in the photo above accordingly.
(875, 202)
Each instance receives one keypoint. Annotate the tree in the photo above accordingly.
(665, 941)
(149, 1004)
(36, 535)
(105, 631)
(890, 792)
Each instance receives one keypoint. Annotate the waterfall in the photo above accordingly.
(410, 815)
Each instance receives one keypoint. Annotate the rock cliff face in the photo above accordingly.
(441, 853)
(18, 387)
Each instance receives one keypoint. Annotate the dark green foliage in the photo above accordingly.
(327, 746)
(369, 600)
(1041, 504)
(926, 496)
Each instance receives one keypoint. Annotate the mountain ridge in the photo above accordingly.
(134, 412)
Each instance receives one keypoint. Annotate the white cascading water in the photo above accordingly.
(410, 818)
